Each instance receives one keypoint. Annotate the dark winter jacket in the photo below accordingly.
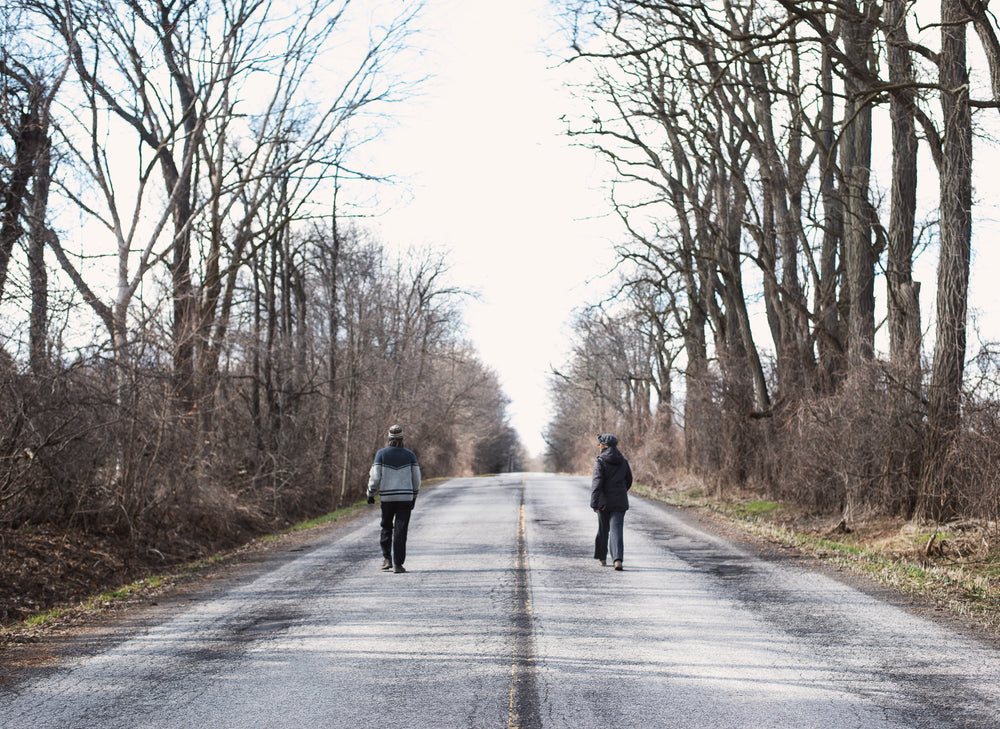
(611, 482)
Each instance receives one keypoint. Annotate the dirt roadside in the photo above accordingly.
(79, 627)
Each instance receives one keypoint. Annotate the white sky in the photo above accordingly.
(495, 180)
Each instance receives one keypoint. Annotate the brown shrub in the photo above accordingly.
(856, 451)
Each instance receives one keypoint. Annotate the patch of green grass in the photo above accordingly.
(925, 537)
(677, 498)
(122, 593)
(753, 509)
(842, 547)
(319, 521)
(51, 616)
(126, 591)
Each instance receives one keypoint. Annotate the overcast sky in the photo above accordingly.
(494, 179)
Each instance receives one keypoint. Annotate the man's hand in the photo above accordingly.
(371, 499)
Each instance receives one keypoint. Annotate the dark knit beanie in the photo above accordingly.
(607, 439)
(395, 432)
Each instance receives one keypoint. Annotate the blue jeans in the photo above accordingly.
(610, 531)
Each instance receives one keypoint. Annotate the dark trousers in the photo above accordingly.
(395, 522)
(609, 535)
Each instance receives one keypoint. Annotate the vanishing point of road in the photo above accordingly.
(504, 620)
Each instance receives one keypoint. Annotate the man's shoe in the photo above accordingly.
(604, 562)
(398, 568)
(618, 565)
(386, 564)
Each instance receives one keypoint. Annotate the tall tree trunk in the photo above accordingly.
(698, 403)
(27, 138)
(904, 353)
(271, 365)
(829, 341)
(856, 156)
(352, 392)
(37, 272)
(901, 471)
(744, 387)
(183, 315)
(332, 264)
(780, 247)
(179, 183)
(256, 415)
(943, 413)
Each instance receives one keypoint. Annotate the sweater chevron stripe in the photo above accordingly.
(395, 475)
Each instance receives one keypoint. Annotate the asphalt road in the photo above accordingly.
(504, 620)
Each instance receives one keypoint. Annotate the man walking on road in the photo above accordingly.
(395, 476)
(609, 498)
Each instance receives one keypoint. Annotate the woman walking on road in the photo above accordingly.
(609, 498)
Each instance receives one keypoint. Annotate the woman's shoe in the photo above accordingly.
(618, 565)
(604, 562)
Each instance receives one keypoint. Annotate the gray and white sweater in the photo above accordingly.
(394, 475)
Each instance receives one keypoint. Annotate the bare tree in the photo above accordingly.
(711, 108)
(218, 175)
(175, 76)
(943, 414)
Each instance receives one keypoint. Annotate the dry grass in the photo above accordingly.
(956, 566)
